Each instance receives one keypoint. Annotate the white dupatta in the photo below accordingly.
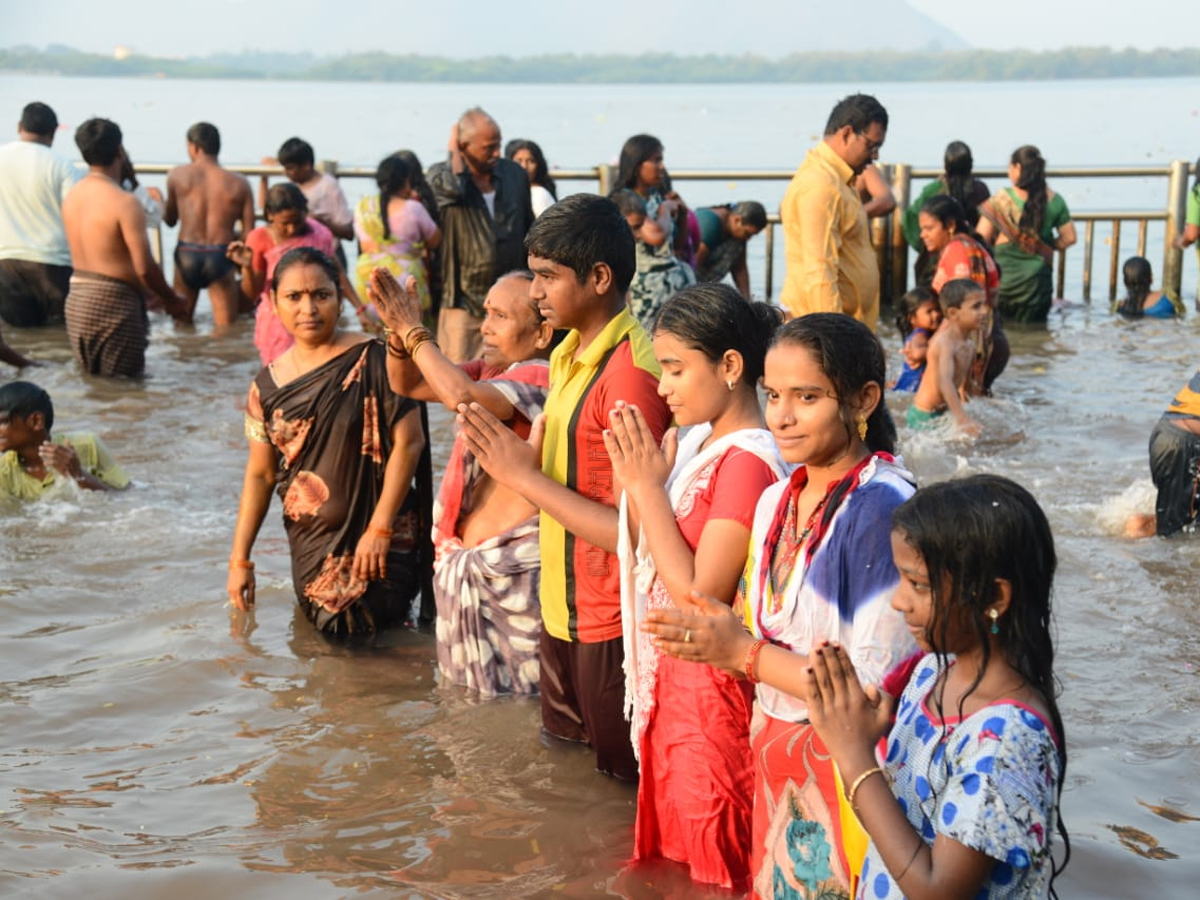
(638, 572)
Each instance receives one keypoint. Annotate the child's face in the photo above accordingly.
(803, 412)
(914, 594)
(971, 314)
(287, 223)
(636, 221)
(298, 172)
(928, 316)
(561, 299)
(17, 433)
(691, 383)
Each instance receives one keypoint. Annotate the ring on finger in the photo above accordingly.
(687, 635)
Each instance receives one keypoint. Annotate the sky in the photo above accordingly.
(452, 27)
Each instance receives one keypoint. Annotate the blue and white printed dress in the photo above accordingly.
(989, 781)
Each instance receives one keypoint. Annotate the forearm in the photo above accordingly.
(252, 509)
(782, 669)
(674, 560)
(453, 387)
(397, 481)
(406, 379)
(741, 277)
(905, 854)
(590, 520)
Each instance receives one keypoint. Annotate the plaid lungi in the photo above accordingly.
(107, 325)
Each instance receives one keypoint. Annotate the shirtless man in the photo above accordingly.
(106, 230)
(949, 358)
(207, 202)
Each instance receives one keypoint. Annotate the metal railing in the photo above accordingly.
(887, 232)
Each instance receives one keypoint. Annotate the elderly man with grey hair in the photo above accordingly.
(485, 207)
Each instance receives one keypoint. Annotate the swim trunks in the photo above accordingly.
(920, 420)
(201, 264)
(1175, 468)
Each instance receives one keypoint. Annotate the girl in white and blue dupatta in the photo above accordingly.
(686, 515)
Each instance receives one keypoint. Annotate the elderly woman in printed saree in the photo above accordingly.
(329, 436)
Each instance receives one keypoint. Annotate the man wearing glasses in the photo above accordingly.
(831, 266)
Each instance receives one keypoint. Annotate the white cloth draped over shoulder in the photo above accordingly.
(638, 572)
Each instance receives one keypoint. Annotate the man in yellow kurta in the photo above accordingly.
(831, 266)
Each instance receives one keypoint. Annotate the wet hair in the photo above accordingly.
(851, 357)
(295, 152)
(949, 212)
(971, 532)
(959, 168)
(636, 151)
(24, 398)
(715, 318)
(417, 182)
(955, 293)
(582, 231)
(304, 256)
(38, 118)
(858, 111)
(1138, 275)
(751, 212)
(391, 176)
(1033, 183)
(629, 202)
(284, 196)
(206, 137)
(541, 171)
(907, 308)
(99, 140)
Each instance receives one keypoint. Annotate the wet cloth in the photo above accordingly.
(988, 781)
(965, 257)
(400, 251)
(332, 428)
(489, 621)
(1175, 468)
(200, 265)
(1025, 260)
(107, 325)
(690, 723)
(270, 337)
(921, 420)
(723, 251)
(32, 294)
(94, 459)
(836, 585)
(1162, 308)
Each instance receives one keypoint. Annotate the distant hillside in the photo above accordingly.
(859, 68)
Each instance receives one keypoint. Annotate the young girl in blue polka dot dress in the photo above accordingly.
(965, 801)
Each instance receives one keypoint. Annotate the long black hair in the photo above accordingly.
(392, 177)
(636, 151)
(971, 533)
(1033, 182)
(1138, 276)
(959, 167)
(907, 307)
(541, 171)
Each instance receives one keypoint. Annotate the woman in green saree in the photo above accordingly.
(1027, 223)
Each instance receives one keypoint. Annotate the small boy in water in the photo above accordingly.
(951, 352)
(326, 200)
(31, 461)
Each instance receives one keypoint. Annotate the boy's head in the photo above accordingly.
(38, 119)
(26, 415)
(963, 301)
(632, 207)
(204, 138)
(297, 158)
(99, 140)
(586, 239)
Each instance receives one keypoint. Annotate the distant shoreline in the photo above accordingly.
(800, 68)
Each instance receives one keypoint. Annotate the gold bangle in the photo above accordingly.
(393, 350)
(241, 564)
(857, 781)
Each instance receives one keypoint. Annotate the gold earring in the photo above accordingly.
(862, 428)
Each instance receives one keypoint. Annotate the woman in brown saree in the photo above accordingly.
(340, 448)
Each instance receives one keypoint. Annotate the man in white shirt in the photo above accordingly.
(35, 262)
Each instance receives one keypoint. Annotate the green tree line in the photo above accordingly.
(567, 68)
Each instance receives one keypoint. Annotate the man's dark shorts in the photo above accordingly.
(201, 264)
(32, 294)
(1175, 468)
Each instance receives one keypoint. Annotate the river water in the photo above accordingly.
(157, 743)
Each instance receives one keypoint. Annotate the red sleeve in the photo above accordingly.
(259, 241)
(739, 481)
(639, 388)
(473, 369)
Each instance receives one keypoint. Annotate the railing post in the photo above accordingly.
(1176, 214)
(902, 191)
(1089, 245)
(329, 166)
(770, 251)
(607, 175)
(1114, 262)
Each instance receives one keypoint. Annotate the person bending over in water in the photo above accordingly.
(1175, 467)
(951, 352)
(31, 461)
